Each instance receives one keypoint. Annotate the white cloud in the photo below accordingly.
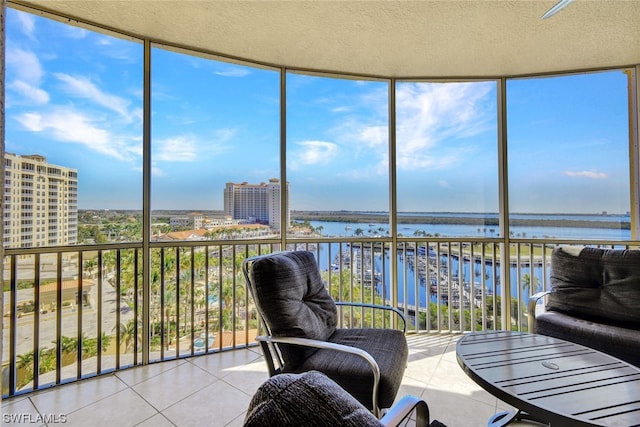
(27, 23)
(84, 88)
(75, 32)
(68, 125)
(25, 64)
(362, 135)
(104, 41)
(341, 109)
(233, 72)
(32, 94)
(430, 118)
(224, 134)
(176, 149)
(429, 114)
(315, 152)
(586, 174)
(32, 122)
(156, 171)
(26, 70)
(374, 136)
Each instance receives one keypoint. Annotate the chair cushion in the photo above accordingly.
(309, 399)
(387, 346)
(622, 343)
(293, 300)
(598, 284)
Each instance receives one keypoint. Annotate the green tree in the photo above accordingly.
(128, 334)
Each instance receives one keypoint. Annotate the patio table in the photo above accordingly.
(552, 381)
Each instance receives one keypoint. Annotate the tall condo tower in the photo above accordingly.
(255, 202)
(40, 204)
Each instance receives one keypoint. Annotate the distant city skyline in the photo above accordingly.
(75, 97)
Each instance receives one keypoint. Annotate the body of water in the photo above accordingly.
(487, 276)
(349, 229)
(417, 283)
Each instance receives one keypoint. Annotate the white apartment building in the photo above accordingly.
(256, 202)
(40, 202)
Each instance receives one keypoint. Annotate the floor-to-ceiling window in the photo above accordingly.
(447, 186)
(215, 141)
(73, 163)
(337, 155)
(568, 156)
(447, 159)
(213, 124)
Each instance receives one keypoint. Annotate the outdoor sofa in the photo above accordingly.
(594, 300)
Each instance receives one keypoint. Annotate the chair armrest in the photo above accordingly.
(306, 342)
(531, 308)
(378, 307)
(403, 409)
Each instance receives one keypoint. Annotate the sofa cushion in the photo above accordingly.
(309, 399)
(598, 284)
(619, 342)
(293, 300)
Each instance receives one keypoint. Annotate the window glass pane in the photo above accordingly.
(447, 163)
(74, 107)
(568, 154)
(73, 175)
(215, 126)
(337, 154)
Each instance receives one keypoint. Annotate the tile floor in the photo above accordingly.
(215, 390)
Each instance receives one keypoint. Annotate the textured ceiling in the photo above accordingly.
(446, 38)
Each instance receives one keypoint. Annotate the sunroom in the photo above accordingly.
(434, 153)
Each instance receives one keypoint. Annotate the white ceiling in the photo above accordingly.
(429, 38)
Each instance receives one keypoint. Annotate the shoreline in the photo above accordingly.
(358, 218)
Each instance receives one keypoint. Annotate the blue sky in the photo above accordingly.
(75, 96)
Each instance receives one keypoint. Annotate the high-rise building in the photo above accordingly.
(40, 202)
(256, 202)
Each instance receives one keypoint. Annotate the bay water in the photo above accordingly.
(467, 271)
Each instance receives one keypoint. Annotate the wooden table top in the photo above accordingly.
(562, 383)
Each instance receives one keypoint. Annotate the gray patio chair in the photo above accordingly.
(313, 399)
(300, 320)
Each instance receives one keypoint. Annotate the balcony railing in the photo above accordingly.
(77, 312)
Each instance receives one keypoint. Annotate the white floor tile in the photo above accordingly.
(173, 385)
(71, 397)
(215, 390)
(217, 404)
(125, 408)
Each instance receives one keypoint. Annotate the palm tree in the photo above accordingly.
(89, 265)
(90, 345)
(228, 293)
(128, 334)
(47, 360)
(185, 296)
(110, 228)
(109, 261)
(199, 261)
(68, 344)
(526, 283)
(24, 360)
(170, 305)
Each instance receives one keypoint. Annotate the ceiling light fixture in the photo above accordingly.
(557, 8)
